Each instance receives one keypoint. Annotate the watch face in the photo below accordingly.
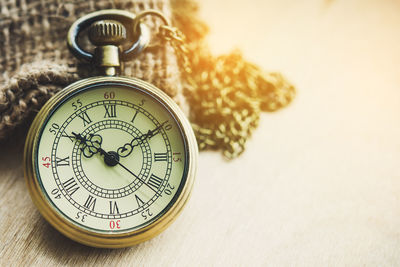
(111, 157)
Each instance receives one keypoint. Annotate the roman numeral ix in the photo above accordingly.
(62, 161)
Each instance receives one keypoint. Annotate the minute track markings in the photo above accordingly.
(136, 109)
(137, 177)
(94, 188)
(110, 157)
(114, 219)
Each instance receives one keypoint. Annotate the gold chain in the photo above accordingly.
(226, 94)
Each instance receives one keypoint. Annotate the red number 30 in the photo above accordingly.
(115, 224)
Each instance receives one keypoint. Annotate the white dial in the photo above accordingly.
(111, 159)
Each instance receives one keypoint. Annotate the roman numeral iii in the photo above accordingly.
(160, 156)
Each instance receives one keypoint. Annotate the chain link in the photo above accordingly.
(226, 94)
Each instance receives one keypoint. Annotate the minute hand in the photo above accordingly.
(127, 149)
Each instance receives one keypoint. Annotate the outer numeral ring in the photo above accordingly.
(99, 239)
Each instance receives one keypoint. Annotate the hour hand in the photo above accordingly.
(91, 145)
(79, 137)
(75, 136)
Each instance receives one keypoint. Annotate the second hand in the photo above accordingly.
(105, 154)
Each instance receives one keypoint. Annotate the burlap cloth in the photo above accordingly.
(225, 94)
(35, 62)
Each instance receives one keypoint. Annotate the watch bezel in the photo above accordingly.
(95, 238)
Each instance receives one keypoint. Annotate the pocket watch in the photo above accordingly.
(110, 161)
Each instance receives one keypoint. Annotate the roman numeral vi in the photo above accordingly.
(113, 207)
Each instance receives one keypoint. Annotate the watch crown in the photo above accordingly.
(107, 36)
(107, 32)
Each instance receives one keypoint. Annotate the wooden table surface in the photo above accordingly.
(319, 184)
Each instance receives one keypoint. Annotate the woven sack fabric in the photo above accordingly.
(35, 62)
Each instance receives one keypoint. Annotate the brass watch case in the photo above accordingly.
(97, 239)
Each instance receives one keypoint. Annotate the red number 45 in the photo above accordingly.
(46, 161)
